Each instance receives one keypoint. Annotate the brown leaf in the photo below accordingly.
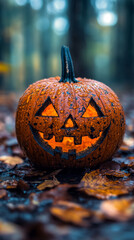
(98, 185)
(125, 162)
(131, 157)
(4, 135)
(32, 173)
(21, 207)
(11, 160)
(110, 165)
(48, 184)
(113, 168)
(128, 141)
(58, 193)
(52, 174)
(7, 228)
(117, 173)
(124, 148)
(17, 151)
(118, 209)
(11, 142)
(3, 193)
(22, 185)
(71, 213)
(9, 184)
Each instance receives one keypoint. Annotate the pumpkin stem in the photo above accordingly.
(67, 66)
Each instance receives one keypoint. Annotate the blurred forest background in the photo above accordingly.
(99, 33)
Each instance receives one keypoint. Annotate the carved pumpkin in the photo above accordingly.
(69, 122)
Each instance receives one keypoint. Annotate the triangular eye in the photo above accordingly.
(92, 110)
(47, 109)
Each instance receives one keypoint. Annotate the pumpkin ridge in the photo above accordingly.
(34, 150)
(107, 140)
(122, 129)
(104, 150)
(74, 97)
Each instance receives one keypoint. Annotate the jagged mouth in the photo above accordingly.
(67, 146)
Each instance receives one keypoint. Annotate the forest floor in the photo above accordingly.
(65, 204)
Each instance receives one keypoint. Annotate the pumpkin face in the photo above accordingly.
(54, 131)
(69, 122)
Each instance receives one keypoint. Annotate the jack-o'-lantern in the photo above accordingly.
(68, 121)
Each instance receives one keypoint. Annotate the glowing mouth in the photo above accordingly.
(68, 143)
(67, 146)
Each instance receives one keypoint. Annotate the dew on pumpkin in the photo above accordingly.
(43, 92)
(28, 98)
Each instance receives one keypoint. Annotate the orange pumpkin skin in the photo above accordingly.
(69, 124)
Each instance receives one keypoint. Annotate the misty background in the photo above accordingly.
(99, 33)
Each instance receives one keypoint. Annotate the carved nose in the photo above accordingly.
(70, 123)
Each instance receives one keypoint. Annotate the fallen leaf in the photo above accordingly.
(71, 213)
(33, 173)
(22, 185)
(9, 184)
(11, 160)
(113, 168)
(58, 193)
(98, 185)
(11, 142)
(21, 207)
(4, 134)
(124, 148)
(7, 228)
(3, 193)
(110, 165)
(128, 141)
(117, 173)
(48, 184)
(118, 209)
(125, 162)
(16, 151)
(52, 174)
(131, 157)
(5, 167)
